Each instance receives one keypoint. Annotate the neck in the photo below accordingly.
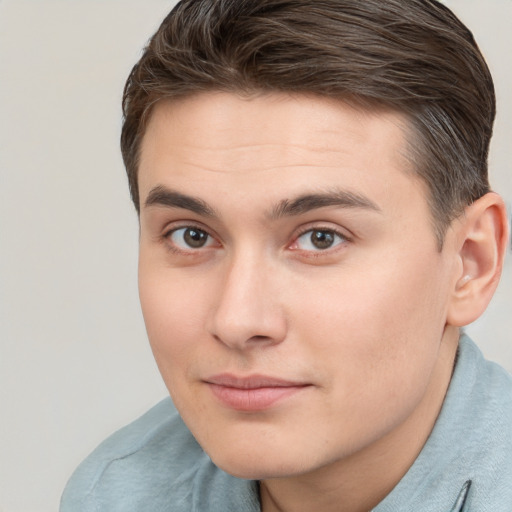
(361, 481)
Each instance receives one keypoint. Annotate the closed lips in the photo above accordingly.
(254, 393)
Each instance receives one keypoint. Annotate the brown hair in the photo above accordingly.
(414, 56)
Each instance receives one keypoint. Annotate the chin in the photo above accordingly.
(249, 471)
(260, 466)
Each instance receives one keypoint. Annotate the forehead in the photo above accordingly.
(289, 142)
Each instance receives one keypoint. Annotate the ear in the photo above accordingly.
(483, 235)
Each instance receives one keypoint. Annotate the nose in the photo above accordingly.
(247, 312)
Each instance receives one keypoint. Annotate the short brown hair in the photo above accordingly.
(414, 56)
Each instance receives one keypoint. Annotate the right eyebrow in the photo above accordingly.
(162, 196)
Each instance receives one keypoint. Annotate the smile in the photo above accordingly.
(252, 394)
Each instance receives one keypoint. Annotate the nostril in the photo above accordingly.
(259, 338)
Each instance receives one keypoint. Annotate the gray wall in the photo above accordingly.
(74, 360)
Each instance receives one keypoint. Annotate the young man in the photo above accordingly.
(316, 226)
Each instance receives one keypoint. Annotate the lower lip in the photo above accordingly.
(252, 400)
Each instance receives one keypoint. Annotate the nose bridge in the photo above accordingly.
(247, 308)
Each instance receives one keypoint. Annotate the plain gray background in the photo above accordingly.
(74, 361)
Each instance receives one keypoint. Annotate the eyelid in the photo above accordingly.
(181, 224)
(187, 224)
(337, 231)
(324, 226)
(345, 235)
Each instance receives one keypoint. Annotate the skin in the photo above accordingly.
(364, 322)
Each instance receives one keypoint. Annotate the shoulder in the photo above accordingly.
(153, 463)
(131, 460)
(474, 430)
(488, 445)
(471, 442)
(488, 391)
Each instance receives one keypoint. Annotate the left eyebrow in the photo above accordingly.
(307, 202)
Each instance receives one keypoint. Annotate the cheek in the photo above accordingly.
(174, 316)
(379, 303)
(370, 336)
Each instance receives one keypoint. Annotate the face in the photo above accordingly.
(293, 292)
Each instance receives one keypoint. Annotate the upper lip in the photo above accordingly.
(251, 381)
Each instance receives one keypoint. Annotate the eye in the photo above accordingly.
(318, 240)
(187, 238)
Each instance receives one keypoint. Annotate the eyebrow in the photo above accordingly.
(162, 196)
(308, 202)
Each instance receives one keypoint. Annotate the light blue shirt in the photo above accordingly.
(466, 464)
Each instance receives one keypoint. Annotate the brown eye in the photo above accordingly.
(195, 237)
(322, 239)
(319, 240)
(190, 238)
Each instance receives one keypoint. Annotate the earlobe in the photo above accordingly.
(483, 240)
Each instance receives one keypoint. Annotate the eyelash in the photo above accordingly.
(344, 239)
(166, 238)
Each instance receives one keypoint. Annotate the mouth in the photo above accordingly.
(254, 393)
